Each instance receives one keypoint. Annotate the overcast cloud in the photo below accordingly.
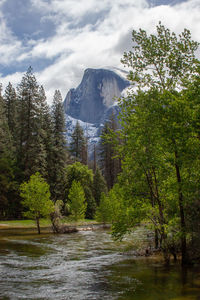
(61, 38)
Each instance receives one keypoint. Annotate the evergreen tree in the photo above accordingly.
(40, 142)
(94, 159)
(5, 140)
(7, 182)
(58, 156)
(11, 105)
(78, 145)
(99, 186)
(31, 150)
(109, 164)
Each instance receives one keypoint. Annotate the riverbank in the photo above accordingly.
(12, 224)
(46, 224)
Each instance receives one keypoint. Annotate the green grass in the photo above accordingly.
(69, 221)
(24, 223)
(43, 223)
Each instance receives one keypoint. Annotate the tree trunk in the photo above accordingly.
(38, 224)
(182, 214)
(156, 238)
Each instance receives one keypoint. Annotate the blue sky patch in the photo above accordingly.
(37, 64)
(25, 21)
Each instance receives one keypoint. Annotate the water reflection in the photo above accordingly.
(84, 266)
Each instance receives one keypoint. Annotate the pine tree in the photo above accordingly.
(99, 186)
(109, 164)
(40, 148)
(31, 153)
(59, 151)
(10, 99)
(78, 145)
(7, 183)
(94, 159)
(47, 133)
(5, 137)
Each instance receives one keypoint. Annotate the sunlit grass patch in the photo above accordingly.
(24, 223)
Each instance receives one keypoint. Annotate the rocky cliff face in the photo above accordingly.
(91, 100)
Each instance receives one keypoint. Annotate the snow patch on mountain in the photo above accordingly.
(91, 131)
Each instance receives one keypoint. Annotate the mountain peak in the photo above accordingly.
(95, 95)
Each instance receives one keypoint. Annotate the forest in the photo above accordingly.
(146, 168)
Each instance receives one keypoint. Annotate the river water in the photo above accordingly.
(86, 265)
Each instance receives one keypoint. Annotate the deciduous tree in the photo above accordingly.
(36, 198)
(78, 205)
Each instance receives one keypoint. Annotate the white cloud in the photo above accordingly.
(79, 44)
(14, 78)
(10, 47)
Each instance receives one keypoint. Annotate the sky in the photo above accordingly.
(62, 38)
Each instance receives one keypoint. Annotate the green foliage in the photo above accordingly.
(9, 199)
(161, 61)
(110, 164)
(31, 131)
(57, 156)
(78, 204)
(160, 134)
(99, 186)
(114, 209)
(11, 109)
(36, 198)
(32, 139)
(8, 186)
(82, 174)
(103, 213)
(78, 144)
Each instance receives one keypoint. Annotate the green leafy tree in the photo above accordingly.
(36, 198)
(158, 130)
(113, 209)
(162, 60)
(80, 173)
(78, 204)
(103, 212)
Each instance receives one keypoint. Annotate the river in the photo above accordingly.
(84, 266)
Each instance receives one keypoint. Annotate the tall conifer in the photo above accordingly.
(31, 151)
(78, 145)
(59, 150)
